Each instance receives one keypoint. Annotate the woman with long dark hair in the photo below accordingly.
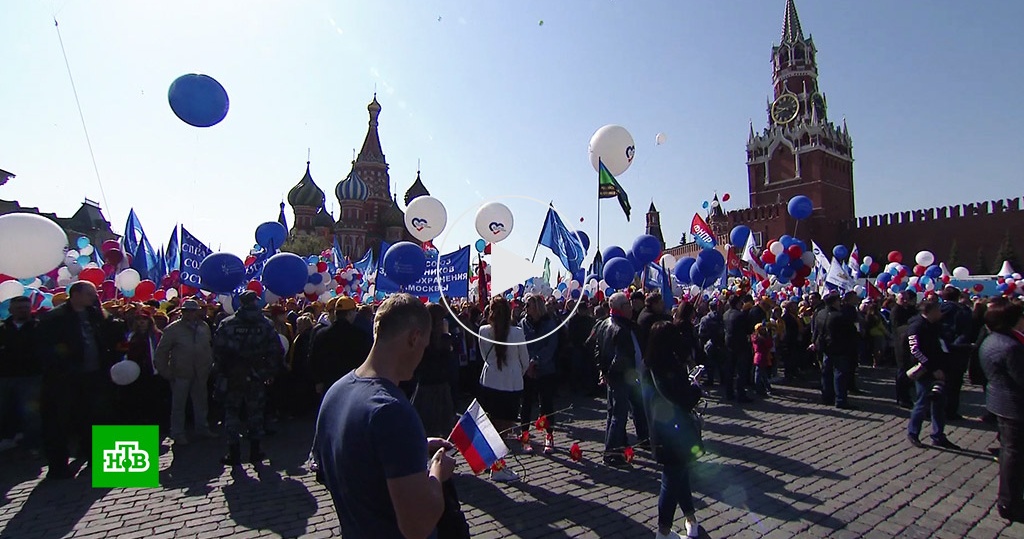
(1002, 358)
(669, 399)
(501, 380)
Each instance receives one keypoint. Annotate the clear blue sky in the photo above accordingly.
(494, 103)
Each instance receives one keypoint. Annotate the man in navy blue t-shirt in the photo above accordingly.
(370, 442)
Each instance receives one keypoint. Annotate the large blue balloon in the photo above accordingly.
(584, 239)
(285, 274)
(738, 236)
(646, 249)
(840, 252)
(637, 265)
(198, 100)
(271, 235)
(221, 272)
(701, 279)
(933, 271)
(682, 269)
(613, 252)
(800, 207)
(404, 263)
(711, 263)
(618, 273)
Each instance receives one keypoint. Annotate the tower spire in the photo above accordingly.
(791, 30)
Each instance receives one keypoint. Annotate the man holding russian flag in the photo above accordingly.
(370, 442)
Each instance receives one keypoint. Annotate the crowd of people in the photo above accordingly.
(245, 370)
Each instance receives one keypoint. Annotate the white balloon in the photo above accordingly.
(127, 279)
(309, 288)
(668, 261)
(695, 290)
(868, 260)
(73, 254)
(961, 272)
(1016, 276)
(124, 372)
(808, 258)
(64, 281)
(30, 245)
(659, 139)
(425, 218)
(171, 294)
(925, 258)
(10, 289)
(310, 269)
(614, 147)
(86, 251)
(494, 222)
(270, 297)
(777, 248)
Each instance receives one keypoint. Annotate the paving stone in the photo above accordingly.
(781, 468)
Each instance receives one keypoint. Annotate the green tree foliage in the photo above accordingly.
(1006, 253)
(305, 244)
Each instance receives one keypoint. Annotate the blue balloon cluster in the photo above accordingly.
(619, 272)
(707, 268)
(682, 269)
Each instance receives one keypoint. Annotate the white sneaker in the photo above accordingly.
(669, 535)
(691, 527)
(504, 475)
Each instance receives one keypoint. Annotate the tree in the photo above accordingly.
(953, 260)
(982, 263)
(1006, 253)
(305, 244)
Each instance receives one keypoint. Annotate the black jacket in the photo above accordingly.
(59, 344)
(611, 344)
(956, 326)
(924, 346)
(336, 350)
(646, 321)
(18, 355)
(840, 333)
(737, 329)
(669, 398)
(1002, 357)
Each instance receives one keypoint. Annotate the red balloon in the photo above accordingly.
(93, 275)
(144, 290)
(799, 282)
(768, 257)
(874, 267)
(113, 257)
(5, 277)
(794, 252)
(979, 287)
(311, 297)
(766, 283)
(249, 260)
(895, 256)
(902, 271)
(187, 290)
(919, 270)
(109, 245)
(175, 274)
(321, 267)
(255, 286)
(945, 279)
(159, 295)
(804, 271)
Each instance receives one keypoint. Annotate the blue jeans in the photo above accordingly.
(835, 371)
(20, 396)
(761, 379)
(623, 396)
(937, 405)
(675, 490)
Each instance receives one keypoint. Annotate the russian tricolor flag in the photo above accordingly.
(476, 438)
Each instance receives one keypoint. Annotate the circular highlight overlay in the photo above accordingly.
(473, 210)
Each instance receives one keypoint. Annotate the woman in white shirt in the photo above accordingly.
(501, 380)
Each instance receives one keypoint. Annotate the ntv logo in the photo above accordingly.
(125, 457)
(130, 456)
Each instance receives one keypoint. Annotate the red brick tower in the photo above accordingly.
(801, 152)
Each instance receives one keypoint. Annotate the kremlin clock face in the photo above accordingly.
(785, 108)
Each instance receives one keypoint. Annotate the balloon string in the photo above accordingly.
(81, 116)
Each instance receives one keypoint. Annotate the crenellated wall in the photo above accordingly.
(974, 226)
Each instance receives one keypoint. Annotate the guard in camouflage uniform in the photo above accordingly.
(247, 355)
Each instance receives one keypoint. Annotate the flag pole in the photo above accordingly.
(598, 217)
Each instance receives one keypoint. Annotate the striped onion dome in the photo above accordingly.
(351, 188)
(306, 193)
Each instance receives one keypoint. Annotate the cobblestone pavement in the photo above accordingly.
(785, 467)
